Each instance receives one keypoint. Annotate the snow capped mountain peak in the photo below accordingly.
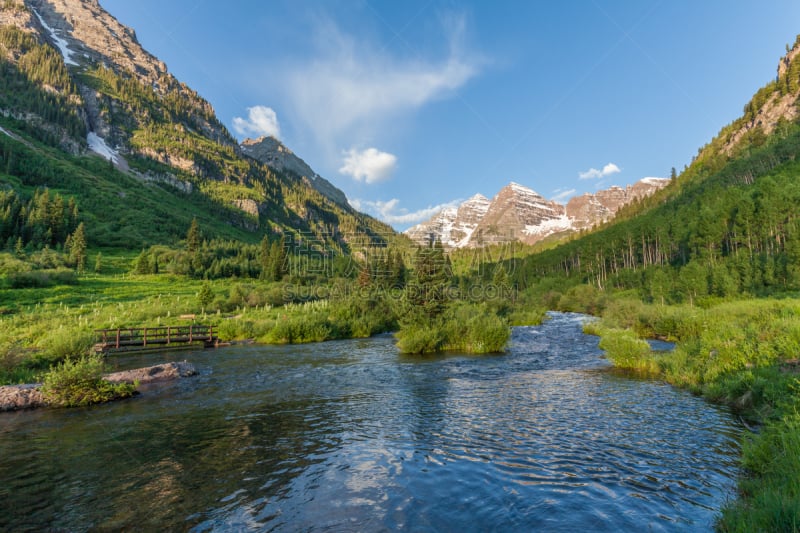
(478, 198)
(518, 213)
(514, 186)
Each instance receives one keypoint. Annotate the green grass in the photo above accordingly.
(626, 350)
(463, 327)
(43, 326)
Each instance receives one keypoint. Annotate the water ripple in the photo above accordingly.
(349, 436)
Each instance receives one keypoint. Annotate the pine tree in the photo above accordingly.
(206, 295)
(277, 260)
(397, 277)
(77, 253)
(364, 276)
(264, 258)
(500, 278)
(193, 237)
(427, 290)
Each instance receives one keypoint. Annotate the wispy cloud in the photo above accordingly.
(593, 173)
(353, 88)
(261, 120)
(391, 212)
(562, 195)
(370, 165)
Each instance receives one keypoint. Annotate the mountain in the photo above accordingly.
(590, 209)
(518, 213)
(274, 154)
(76, 83)
(454, 225)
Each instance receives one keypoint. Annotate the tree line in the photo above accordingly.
(45, 219)
(731, 232)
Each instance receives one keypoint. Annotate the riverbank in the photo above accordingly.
(741, 354)
(30, 396)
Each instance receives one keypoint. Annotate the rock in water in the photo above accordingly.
(163, 372)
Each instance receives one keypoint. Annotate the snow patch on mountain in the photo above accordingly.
(550, 226)
(98, 145)
(59, 42)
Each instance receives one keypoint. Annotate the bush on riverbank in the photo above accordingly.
(314, 321)
(627, 351)
(464, 327)
(79, 382)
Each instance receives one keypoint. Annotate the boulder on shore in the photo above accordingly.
(18, 397)
(165, 372)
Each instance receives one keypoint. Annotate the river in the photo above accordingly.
(351, 436)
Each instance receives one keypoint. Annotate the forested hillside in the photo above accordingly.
(728, 224)
(169, 159)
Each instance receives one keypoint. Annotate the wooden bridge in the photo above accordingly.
(167, 337)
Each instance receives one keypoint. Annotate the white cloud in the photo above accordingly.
(261, 121)
(562, 195)
(391, 213)
(370, 165)
(593, 173)
(354, 88)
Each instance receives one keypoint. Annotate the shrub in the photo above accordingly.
(42, 278)
(623, 313)
(16, 365)
(583, 299)
(60, 344)
(626, 350)
(300, 329)
(467, 328)
(419, 339)
(79, 382)
(486, 333)
(527, 317)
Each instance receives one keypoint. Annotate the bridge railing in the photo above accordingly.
(120, 337)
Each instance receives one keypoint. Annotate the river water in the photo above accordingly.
(351, 436)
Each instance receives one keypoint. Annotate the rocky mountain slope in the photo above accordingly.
(276, 155)
(77, 79)
(590, 209)
(518, 213)
(454, 225)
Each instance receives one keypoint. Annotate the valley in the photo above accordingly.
(125, 201)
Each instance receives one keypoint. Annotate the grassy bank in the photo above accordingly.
(743, 354)
(50, 320)
(468, 328)
(45, 325)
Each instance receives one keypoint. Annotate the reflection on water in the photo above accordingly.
(349, 435)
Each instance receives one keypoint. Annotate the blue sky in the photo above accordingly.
(408, 106)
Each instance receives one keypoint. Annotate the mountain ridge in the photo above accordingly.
(273, 153)
(518, 213)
